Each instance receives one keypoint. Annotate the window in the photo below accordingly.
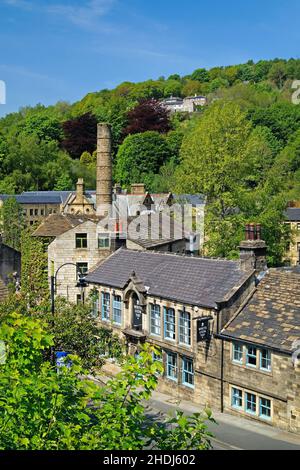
(117, 309)
(95, 304)
(265, 359)
(79, 299)
(103, 241)
(82, 268)
(24, 212)
(187, 372)
(81, 240)
(172, 366)
(155, 328)
(169, 323)
(237, 398)
(251, 356)
(36, 212)
(105, 306)
(237, 352)
(265, 408)
(42, 212)
(31, 211)
(158, 358)
(250, 403)
(184, 328)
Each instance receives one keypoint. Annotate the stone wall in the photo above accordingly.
(63, 250)
(10, 262)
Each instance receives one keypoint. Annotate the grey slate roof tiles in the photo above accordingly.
(196, 281)
(293, 214)
(273, 313)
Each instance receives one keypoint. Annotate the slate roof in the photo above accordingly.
(196, 281)
(155, 230)
(293, 214)
(57, 224)
(272, 316)
(45, 197)
(193, 199)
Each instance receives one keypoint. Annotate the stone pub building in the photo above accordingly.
(226, 329)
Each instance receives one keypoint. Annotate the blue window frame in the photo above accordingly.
(169, 323)
(187, 372)
(172, 370)
(264, 408)
(250, 403)
(155, 328)
(105, 306)
(117, 309)
(158, 358)
(265, 360)
(184, 328)
(237, 352)
(236, 398)
(251, 357)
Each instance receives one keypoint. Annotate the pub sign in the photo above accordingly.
(203, 329)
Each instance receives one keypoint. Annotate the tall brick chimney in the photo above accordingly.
(253, 249)
(104, 170)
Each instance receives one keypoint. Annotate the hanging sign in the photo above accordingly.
(202, 329)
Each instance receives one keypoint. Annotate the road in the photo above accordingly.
(233, 433)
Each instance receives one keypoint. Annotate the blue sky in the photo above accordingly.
(62, 49)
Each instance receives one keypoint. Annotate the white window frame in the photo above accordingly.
(105, 306)
(185, 328)
(155, 320)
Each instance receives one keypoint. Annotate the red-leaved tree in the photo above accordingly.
(148, 115)
(80, 135)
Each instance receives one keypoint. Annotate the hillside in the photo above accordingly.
(242, 150)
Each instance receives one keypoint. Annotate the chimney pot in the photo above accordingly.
(138, 189)
(258, 232)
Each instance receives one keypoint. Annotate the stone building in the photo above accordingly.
(88, 231)
(177, 303)
(10, 263)
(3, 291)
(184, 105)
(292, 216)
(227, 331)
(260, 368)
(38, 205)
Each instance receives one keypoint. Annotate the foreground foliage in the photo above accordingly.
(41, 409)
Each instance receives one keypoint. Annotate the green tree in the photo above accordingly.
(139, 156)
(201, 75)
(45, 410)
(11, 222)
(76, 330)
(34, 268)
(278, 73)
(63, 183)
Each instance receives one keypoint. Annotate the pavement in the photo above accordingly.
(231, 432)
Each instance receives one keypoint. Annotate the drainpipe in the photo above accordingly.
(222, 376)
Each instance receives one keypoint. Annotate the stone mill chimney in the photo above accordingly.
(104, 170)
(253, 249)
